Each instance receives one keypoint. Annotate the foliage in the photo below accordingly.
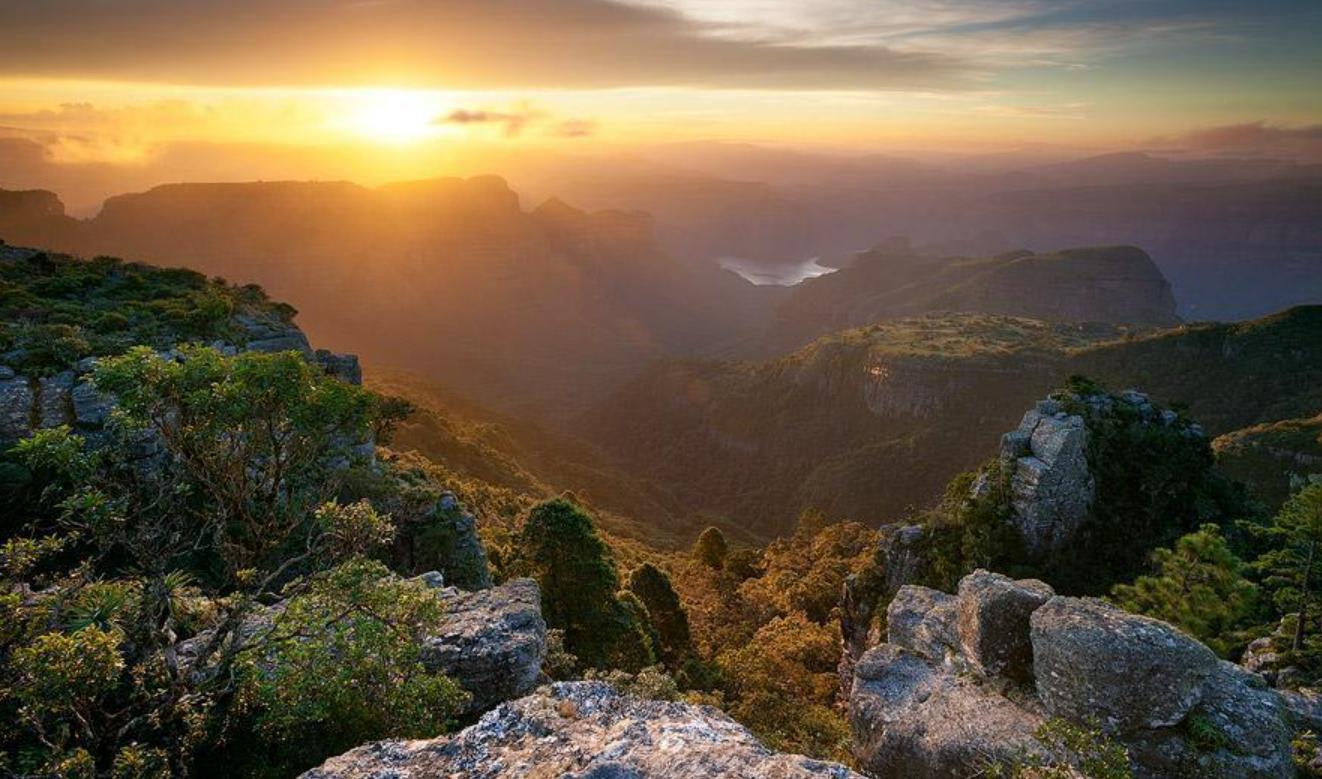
(652, 682)
(56, 309)
(342, 666)
(210, 494)
(710, 548)
(1198, 585)
(559, 547)
(1290, 567)
(671, 623)
(783, 684)
(1069, 751)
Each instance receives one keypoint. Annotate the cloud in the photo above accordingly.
(513, 123)
(459, 44)
(575, 128)
(1252, 135)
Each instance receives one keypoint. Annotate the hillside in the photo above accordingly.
(871, 422)
(1116, 285)
(533, 311)
(1272, 457)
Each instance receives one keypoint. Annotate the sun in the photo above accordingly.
(394, 116)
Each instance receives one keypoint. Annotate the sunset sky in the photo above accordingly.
(376, 88)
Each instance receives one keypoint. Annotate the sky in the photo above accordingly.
(375, 89)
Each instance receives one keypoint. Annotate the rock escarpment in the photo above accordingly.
(582, 730)
(928, 703)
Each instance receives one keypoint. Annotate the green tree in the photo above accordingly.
(652, 586)
(559, 546)
(1291, 567)
(711, 549)
(1199, 585)
(343, 665)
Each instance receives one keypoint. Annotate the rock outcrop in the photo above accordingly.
(584, 730)
(929, 704)
(492, 643)
(1051, 487)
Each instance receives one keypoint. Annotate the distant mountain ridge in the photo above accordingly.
(1112, 284)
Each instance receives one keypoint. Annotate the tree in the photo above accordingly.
(711, 549)
(559, 546)
(652, 586)
(1198, 584)
(206, 499)
(1291, 567)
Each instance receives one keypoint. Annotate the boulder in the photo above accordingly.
(454, 546)
(344, 367)
(1305, 708)
(1051, 488)
(924, 621)
(492, 642)
(993, 612)
(1240, 729)
(584, 730)
(913, 720)
(1093, 661)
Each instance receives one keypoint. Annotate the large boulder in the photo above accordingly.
(924, 621)
(492, 642)
(53, 405)
(1093, 661)
(993, 622)
(913, 720)
(584, 730)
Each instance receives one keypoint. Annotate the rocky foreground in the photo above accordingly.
(970, 679)
(582, 730)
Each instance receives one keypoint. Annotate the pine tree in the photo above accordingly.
(711, 549)
(651, 585)
(1291, 567)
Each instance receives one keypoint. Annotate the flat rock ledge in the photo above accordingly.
(583, 730)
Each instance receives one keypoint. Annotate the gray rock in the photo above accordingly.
(53, 405)
(1128, 672)
(6, 373)
(578, 730)
(344, 367)
(291, 341)
(994, 613)
(91, 408)
(492, 642)
(16, 407)
(456, 549)
(1305, 707)
(923, 621)
(913, 720)
(1051, 488)
(1250, 722)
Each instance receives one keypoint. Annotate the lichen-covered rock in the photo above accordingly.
(994, 611)
(1242, 731)
(16, 401)
(91, 408)
(1051, 489)
(584, 730)
(492, 642)
(913, 720)
(53, 405)
(924, 621)
(1128, 672)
